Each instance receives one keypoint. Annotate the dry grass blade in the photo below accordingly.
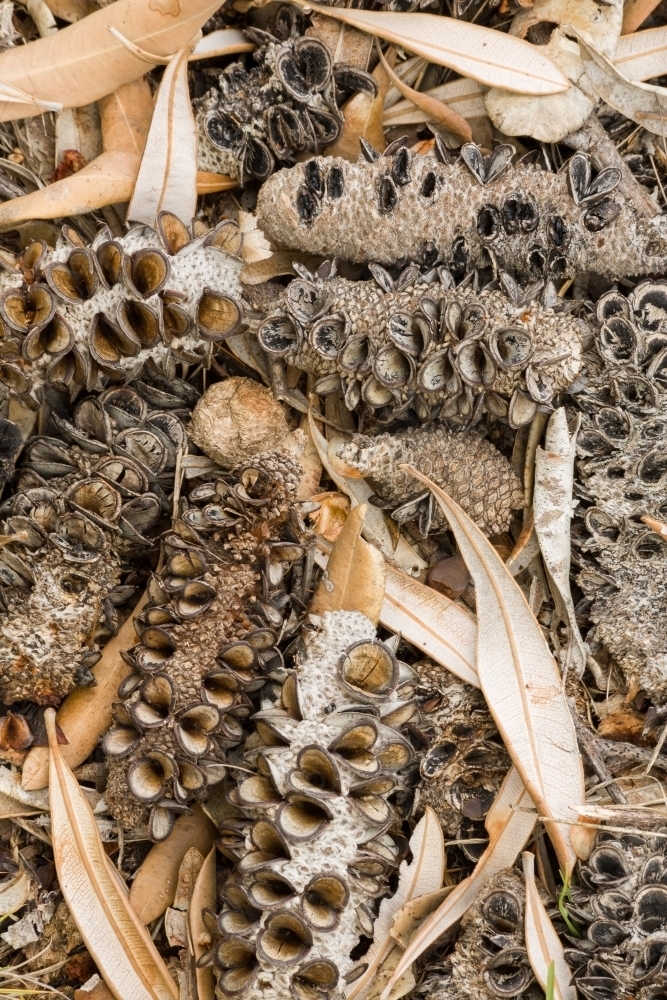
(167, 179)
(492, 57)
(86, 713)
(97, 898)
(635, 13)
(203, 897)
(510, 822)
(85, 62)
(423, 875)
(542, 942)
(355, 574)
(521, 682)
(442, 629)
(154, 885)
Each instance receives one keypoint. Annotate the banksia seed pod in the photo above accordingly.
(282, 105)
(405, 206)
(216, 610)
(622, 475)
(83, 511)
(314, 845)
(466, 465)
(621, 901)
(81, 312)
(420, 342)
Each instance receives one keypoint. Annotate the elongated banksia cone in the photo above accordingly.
(78, 314)
(475, 211)
(466, 465)
(80, 519)
(622, 472)
(206, 640)
(422, 343)
(317, 832)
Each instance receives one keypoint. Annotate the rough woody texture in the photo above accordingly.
(412, 207)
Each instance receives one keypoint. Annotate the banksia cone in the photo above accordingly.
(209, 635)
(83, 512)
(467, 466)
(81, 313)
(420, 342)
(622, 474)
(314, 840)
(281, 105)
(404, 206)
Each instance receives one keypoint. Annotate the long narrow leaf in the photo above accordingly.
(521, 682)
(119, 943)
(542, 942)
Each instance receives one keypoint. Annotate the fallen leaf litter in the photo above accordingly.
(333, 522)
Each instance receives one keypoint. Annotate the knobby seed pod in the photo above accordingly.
(84, 315)
(422, 343)
(282, 105)
(317, 833)
(207, 640)
(622, 472)
(466, 465)
(83, 514)
(476, 211)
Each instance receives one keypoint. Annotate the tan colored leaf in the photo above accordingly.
(69, 10)
(154, 888)
(97, 898)
(86, 713)
(223, 42)
(553, 509)
(125, 117)
(436, 110)
(644, 103)
(642, 55)
(167, 179)
(208, 183)
(328, 521)
(413, 913)
(442, 629)
(203, 897)
(423, 875)
(635, 13)
(354, 578)
(542, 942)
(278, 264)
(14, 895)
(509, 823)
(466, 97)
(492, 57)
(99, 991)
(521, 683)
(85, 62)
(10, 808)
(79, 129)
(600, 24)
(362, 118)
(187, 876)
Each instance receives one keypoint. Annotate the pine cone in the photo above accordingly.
(407, 206)
(421, 342)
(467, 466)
(621, 470)
(312, 844)
(207, 639)
(82, 514)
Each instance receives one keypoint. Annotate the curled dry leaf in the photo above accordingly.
(423, 875)
(119, 943)
(355, 575)
(600, 24)
(509, 823)
(542, 942)
(203, 898)
(86, 713)
(154, 887)
(85, 61)
(493, 58)
(553, 509)
(521, 683)
(167, 179)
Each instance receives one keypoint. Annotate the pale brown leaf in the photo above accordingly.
(223, 42)
(362, 118)
(521, 682)
(203, 897)
(167, 179)
(542, 942)
(466, 97)
(423, 875)
(354, 578)
(120, 945)
(86, 712)
(85, 62)
(492, 57)
(69, 10)
(635, 13)
(154, 888)
(413, 913)
(79, 129)
(509, 822)
(14, 894)
(125, 117)
(642, 55)
(599, 23)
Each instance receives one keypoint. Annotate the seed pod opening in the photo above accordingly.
(302, 817)
(317, 773)
(194, 726)
(369, 670)
(218, 315)
(314, 980)
(323, 899)
(146, 272)
(238, 959)
(269, 890)
(285, 939)
(148, 777)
